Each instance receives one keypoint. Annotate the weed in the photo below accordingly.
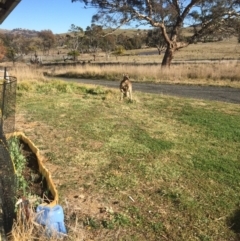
(19, 163)
(116, 220)
(25, 86)
(91, 222)
(96, 91)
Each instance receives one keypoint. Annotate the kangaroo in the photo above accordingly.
(126, 87)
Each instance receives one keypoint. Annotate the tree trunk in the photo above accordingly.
(168, 56)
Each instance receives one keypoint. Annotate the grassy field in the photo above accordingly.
(160, 168)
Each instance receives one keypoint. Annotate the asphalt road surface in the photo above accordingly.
(224, 94)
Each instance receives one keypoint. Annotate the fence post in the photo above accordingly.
(3, 104)
(5, 73)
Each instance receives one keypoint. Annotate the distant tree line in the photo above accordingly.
(18, 43)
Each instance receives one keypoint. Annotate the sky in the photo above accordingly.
(54, 15)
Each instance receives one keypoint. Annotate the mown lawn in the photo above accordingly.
(160, 168)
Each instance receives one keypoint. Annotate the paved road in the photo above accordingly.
(225, 94)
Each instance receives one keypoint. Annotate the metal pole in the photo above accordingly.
(3, 103)
(5, 73)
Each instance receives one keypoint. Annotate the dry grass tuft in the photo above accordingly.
(24, 72)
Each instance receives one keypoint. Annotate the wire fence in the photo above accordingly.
(7, 173)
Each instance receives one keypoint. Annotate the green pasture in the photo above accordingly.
(160, 168)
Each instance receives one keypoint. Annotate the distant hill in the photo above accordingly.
(25, 32)
(4, 31)
(34, 33)
(19, 31)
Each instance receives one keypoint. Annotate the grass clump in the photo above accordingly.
(55, 87)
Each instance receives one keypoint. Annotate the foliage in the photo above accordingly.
(94, 34)
(74, 39)
(48, 39)
(108, 43)
(19, 163)
(155, 39)
(119, 50)
(74, 54)
(134, 42)
(75, 30)
(2, 50)
(12, 47)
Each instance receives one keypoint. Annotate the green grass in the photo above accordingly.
(160, 168)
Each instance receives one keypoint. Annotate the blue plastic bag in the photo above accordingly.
(52, 218)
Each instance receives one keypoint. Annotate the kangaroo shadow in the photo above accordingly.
(233, 223)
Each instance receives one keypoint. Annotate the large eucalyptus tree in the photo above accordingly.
(170, 16)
